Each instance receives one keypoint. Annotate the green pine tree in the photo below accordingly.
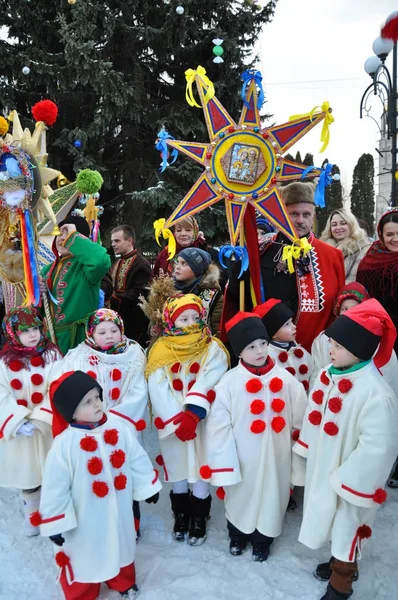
(298, 157)
(289, 156)
(362, 191)
(116, 72)
(308, 160)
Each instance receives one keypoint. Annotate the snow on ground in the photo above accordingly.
(168, 570)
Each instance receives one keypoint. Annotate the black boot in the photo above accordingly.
(261, 546)
(180, 508)
(236, 548)
(200, 513)
(332, 594)
(323, 572)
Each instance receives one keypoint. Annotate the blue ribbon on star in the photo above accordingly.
(161, 145)
(325, 179)
(247, 76)
(238, 252)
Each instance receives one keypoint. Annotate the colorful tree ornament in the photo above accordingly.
(25, 70)
(180, 10)
(218, 50)
(77, 144)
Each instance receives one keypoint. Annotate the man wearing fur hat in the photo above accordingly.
(74, 280)
(318, 275)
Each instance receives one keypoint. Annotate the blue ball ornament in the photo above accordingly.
(77, 144)
(255, 196)
(213, 180)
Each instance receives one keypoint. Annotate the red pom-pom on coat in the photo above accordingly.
(37, 361)
(37, 397)
(305, 384)
(303, 369)
(205, 472)
(116, 374)
(275, 385)
(92, 374)
(177, 385)
(111, 436)
(324, 378)
(115, 393)
(335, 404)
(253, 386)
(278, 405)
(140, 425)
(211, 396)
(283, 356)
(88, 443)
(344, 386)
(298, 352)
(175, 368)
(278, 424)
(15, 365)
(16, 384)
(257, 407)
(315, 417)
(46, 111)
(22, 402)
(191, 384)
(118, 458)
(258, 426)
(62, 560)
(94, 465)
(220, 493)
(380, 496)
(295, 435)
(159, 460)
(194, 368)
(364, 532)
(291, 370)
(159, 423)
(100, 488)
(330, 428)
(37, 379)
(317, 396)
(35, 519)
(120, 481)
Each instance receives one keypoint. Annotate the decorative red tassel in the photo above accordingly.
(258, 426)
(100, 488)
(37, 379)
(364, 532)
(15, 365)
(253, 386)
(117, 458)
(220, 493)
(94, 465)
(175, 368)
(159, 424)
(211, 396)
(120, 481)
(16, 384)
(205, 472)
(37, 397)
(298, 352)
(140, 425)
(317, 396)
(380, 496)
(296, 435)
(194, 368)
(335, 404)
(344, 386)
(35, 519)
(330, 428)
(275, 385)
(159, 460)
(257, 407)
(278, 424)
(278, 405)
(283, 356)
(315, 417)
(116, 374)
(178, 385)
(62, 560)
(88, 443)
(111, 436)
(46, 111)
(324, 378)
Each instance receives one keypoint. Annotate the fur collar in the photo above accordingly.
(349, 245)
(210, 279)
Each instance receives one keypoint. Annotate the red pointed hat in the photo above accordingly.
(363, 329)
(274, 314)
(243, 329)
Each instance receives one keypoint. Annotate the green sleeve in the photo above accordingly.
(92, 256)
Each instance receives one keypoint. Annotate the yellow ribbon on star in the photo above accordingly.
(190, 75)
(161, 230)
(325, 133)
(293, 252)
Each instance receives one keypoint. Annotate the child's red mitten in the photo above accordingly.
(188, 422)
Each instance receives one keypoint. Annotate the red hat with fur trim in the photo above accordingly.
(243, 329)
(274, 314)
(365, 329)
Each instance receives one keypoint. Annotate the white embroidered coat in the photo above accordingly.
(249, 445)
(98, 528)
(321, 357)
(24, 397)
(121, 377)
(349, 438)
(182, 460)
(296, 360)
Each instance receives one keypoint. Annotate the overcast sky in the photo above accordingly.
(311, 41)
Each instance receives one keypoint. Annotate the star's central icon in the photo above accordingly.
(243, 163)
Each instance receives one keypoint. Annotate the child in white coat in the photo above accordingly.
(184, 365)
(258, 408)
(94, 471)
(349, 438)
(25, 415)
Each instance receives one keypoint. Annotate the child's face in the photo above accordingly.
(255, 353)
(89, 409)
(187, 318)
(30, 337)
(107, 334)
(182, 271)
(286, 333)
(340, 357)
(346, 304)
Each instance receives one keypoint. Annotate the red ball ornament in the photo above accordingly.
(159, 424)
(303, 369)
(231, 196)
(37, 397)
(116, 374)
(140, 425)
(220, 493)
(115, 393)
(22, 403)
(257, 407)
(194, 368)
(111, 436)
(275, 385)
(335, 404)
(315, 417)
(120, 481)
(94, 465)
(278, 405)
(211, 396)
(37, 361)
(283, 356)
(317, 396)
(92, 374)
(344, 386)
(254, 385)
(15, 365)
(295, 435)
(46, 111)
(266, 136)
(231, 129)
(380, 496)
(88, 443)
(175, 368)
(117, 458)
(178, 385)
(291, 370)
(100, 488)
(209, 155)
(37, 379)
(324, 378)
(364, 532)
(205, 472)
(330, 428)
(62, 560)
(16, 384)
(278, 424)
(35, 519)
(258, 426)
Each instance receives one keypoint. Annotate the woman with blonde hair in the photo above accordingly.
(343, 232)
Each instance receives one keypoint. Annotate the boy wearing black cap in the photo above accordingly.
(283, 348)
(350, 442)
(94, 471)
(258, 407)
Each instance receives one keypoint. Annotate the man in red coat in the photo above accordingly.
(311, 290)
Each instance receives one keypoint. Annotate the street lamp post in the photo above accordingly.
(385, 88)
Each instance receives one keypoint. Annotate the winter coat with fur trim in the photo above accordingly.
(353, 252)
(349, 438)
(209, 291)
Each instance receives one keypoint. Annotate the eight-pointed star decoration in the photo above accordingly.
(243, 163)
